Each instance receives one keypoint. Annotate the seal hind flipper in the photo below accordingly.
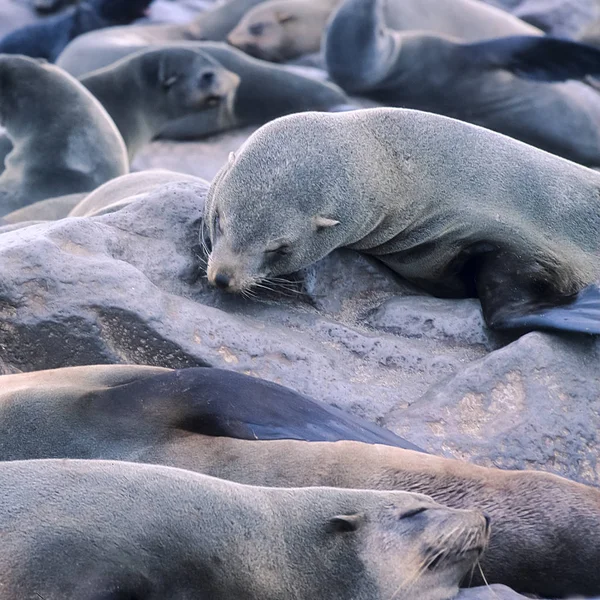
(581, 315)
(537, 58)
(222, 403)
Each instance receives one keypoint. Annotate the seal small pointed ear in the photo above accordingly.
(231, 158)
(283, 17)
(345, 523)
(321, 222)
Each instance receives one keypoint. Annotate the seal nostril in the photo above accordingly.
(222, 281)
(488, 521)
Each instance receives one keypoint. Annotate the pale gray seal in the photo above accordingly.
(115, 530)
(456, 209)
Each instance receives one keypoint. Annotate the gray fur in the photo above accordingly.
(266, 91)
(64, 142)
(78, 412)
(413, 189)
(438, 73)
(146, 90)
(129, 530)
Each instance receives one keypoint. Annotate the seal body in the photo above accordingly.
(457, 209)
(265, 92)
(63, 141)
(441, 74)
(144, 91)
(48, 38)
(188, 419)
(154, 532)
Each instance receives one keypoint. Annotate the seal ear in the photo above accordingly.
(320, 222)
(283, 17)
(345, 523)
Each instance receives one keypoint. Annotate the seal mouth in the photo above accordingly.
(212, 101)
(445, 559)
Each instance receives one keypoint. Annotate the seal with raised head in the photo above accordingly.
(483, 83)
(265, 92)
(145, 91)
(189, 419)
(456, 209)
(145, 531)
(49, 37)
(63, 141)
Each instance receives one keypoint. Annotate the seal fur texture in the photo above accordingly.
(63, 141)
(145, 91)
(442, 74)
(187, 419)
(156, 532)
(456, 209)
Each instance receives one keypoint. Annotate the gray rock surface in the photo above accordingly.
(124, 288)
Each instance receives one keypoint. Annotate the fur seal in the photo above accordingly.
(280, 30)
(48, 38)
(145, 531)
(482, 83)
(145, 91)
(265, 92)
(451, 207)
(64, 141)
(541, 523)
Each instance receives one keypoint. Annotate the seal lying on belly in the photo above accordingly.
(63, 141)
(456, 209)
(114, 530)
(481, 83)
(189, 418)
(265, 92)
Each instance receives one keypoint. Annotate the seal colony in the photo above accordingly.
(154, 532)
(218, 422)
(456, 209)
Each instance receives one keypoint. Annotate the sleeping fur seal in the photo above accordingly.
(49, 37)
(482, 83)
(265, 92)
(541, 523)
(280, 30)
(145, 91)
(64, 142)
(456, 209)
(114, 530)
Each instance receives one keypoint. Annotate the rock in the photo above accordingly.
(126, 287)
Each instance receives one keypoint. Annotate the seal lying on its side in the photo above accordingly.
(481, 83)
(144, 531)
(541, 523)
(145, 91)
(456, 209)
(48, 38)
(265, 91)
(64, 142)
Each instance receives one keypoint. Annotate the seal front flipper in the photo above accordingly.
(221, 403)
(581, 315)
(537, 58)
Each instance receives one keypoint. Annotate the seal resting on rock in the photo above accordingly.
(189, 418)
(483, 83)
(49, 37)
(63, 141)
(145, 531)
(454, 208)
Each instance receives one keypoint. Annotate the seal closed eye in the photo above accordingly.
(456, 209)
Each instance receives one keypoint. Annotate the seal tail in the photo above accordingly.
(358, 48)
(581, 315)
(536, 58)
